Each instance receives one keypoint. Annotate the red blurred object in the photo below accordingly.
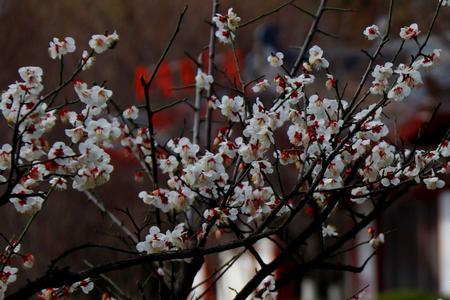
(163, 81)
(229, 65)
(409, 130)
(187, 71)
(138, 74)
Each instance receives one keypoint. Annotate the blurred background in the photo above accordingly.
(415, 262)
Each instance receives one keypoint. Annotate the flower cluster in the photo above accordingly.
(64, 292)
(157, 241)
(12, 256)
(203, 81)
(226, 26)
(32, 117)
(267, 289)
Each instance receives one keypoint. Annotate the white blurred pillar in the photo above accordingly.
(308, 290)
(444, 242)
(334, 292)
(369, 276)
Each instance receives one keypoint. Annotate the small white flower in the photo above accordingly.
(100, 43)
(316, 58)
(232, 108)
(276, 60)
(31, 75)
(434, 183)
(329, 230)
(59, 183)
(331, 82)
(28, 261)
(5, 157)
(59, 48)
(409, 32)
(359, 194)
(372, 32)
(203, 81)
(160, 272)
(168, 165)
(427, 61)
(60, 153)
(232, 19)
(377, 241)
(399, 92)
(260, 86)
(444, 148)
(225, 36)
(9, 274)
(86, 285)
(131, 112)
(87, 60)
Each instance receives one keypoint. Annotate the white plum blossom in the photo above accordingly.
(168, 165)
(95, 98)
(232, 108)
(316, 59)
(390, 176)
(444, 148)
(377, 241)
(203, 81)
(59, 48)
(221, 216)
(409, 32)
(184, 148)
(28, 261)
(59, 183)
(260, 86)
(167, 200)
(31, 75)
(329, 230)
(275, 59)
(409, 75)
(8, 275)
(87, 60)
(267, 289)
(5, 157)
(131, 113)
(258, 169)
(433, 183)
(94, 167)
(232, 19)
(382, 74)
(427, 61)
(225, 36)
(100, 43)
(86, 285)
(360, 194)
(372, 32)
(24, 202)
(60, 153)
(226, 25)
(331, 82)
(399, 92)
(76, 134)
(102, 132)
(156, 241)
